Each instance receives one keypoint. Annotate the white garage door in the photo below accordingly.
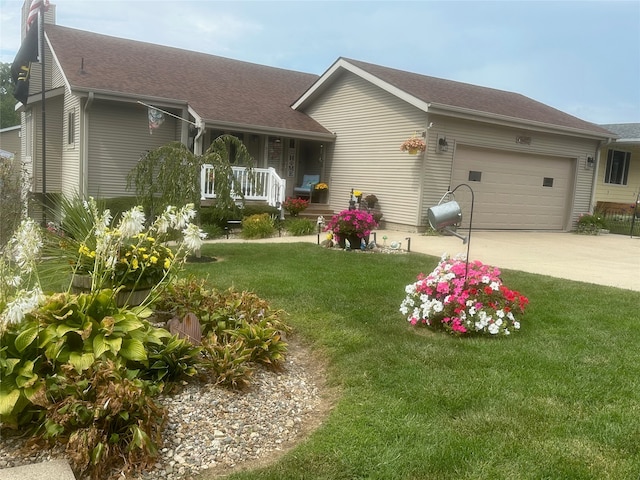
(514, 190)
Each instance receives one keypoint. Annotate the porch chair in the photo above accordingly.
(308, 184)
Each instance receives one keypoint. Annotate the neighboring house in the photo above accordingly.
(528, 163)
(10, 141)
(618, 172)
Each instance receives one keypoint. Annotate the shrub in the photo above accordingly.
(591, 224)
(258, 226)
(238, 328)
(105, 417)
(300, 226)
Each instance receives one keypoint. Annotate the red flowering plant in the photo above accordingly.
(294, 206)
(479, 303)
(352, 222)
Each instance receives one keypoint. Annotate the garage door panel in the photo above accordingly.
(511, 193)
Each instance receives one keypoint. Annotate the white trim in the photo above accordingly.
(341, 63)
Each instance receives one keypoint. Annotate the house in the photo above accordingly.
(618, 173)
(530, 166)
(10, 142)
(99, 90)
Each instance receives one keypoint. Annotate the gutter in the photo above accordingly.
(515, 121)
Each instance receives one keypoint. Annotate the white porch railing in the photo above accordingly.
(263, 184)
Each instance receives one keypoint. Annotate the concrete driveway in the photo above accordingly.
(612, 260)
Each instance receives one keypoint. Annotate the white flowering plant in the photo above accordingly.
(20, 289)
(464, 299)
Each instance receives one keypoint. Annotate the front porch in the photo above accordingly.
(256, 184)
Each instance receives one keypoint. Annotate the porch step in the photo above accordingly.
(314, 210)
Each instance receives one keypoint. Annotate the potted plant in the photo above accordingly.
(351, 225)
(294, 206)
(413, 145)
(320, 191)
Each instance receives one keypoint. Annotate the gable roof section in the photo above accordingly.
(221, 90)
(456, 98)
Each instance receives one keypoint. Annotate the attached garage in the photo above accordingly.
(514, 191)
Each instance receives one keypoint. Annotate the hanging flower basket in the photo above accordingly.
(413, 145)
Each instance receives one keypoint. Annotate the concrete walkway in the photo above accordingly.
(612, 260)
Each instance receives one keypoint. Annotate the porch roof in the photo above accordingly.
(218, 89)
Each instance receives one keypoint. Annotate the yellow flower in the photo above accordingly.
(167, 263)
(134, 264)
(153, 259)
(84, 250)
(357, 193)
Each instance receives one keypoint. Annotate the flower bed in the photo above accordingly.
(479, 303)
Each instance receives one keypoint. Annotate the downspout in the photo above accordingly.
(84, 159)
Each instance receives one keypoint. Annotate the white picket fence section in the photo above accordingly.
(262, 184)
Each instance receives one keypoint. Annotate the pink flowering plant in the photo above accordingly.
(479, 304)
(352, 222)
(413, 144)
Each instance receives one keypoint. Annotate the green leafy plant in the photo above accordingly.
(228, 361)
(238, 328)
(591, 224)
(300, 226)
(258, 226)
(105, 417)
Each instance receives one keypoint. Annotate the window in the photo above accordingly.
(547, 182)
(71, 128)
(617, 169)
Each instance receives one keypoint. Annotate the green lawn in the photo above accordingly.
(558, 400)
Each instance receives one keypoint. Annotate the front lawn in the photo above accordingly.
(558, 400)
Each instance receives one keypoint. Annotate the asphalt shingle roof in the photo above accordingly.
(473, 97)
(236, 92)
(626, 131)
(218, 88)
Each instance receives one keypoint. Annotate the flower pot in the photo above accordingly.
(354, 242)
(132, 297)
(413, 151)
(81, 283)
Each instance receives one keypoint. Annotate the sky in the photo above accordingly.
(581, 57)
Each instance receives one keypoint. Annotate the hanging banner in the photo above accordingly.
(156, 118)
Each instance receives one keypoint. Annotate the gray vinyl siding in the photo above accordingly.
(71, 153)
(118, 137)
(370, 125)
(464, 132)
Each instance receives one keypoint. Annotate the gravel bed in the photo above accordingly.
(214, 428)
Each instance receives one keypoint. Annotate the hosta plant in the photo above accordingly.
(463, 299)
